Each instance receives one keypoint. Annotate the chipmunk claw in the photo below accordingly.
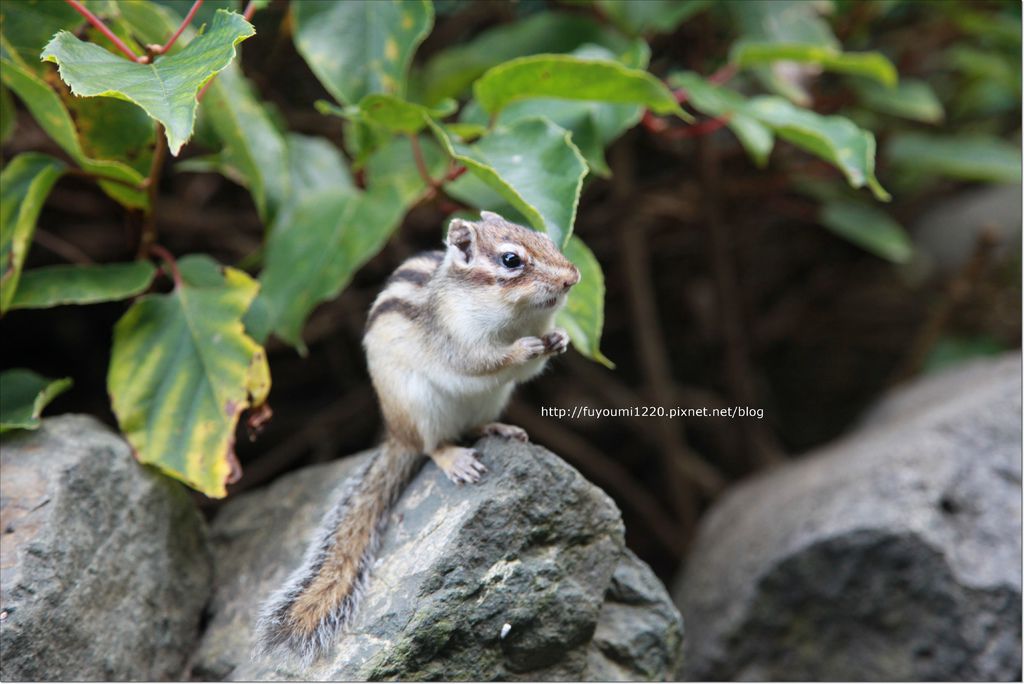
(505, 431)
(556, 342)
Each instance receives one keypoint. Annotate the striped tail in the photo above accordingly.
(320, 597)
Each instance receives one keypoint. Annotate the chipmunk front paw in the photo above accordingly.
(556, 342)
(528, 348)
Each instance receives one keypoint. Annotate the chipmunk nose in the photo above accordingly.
(572, 279)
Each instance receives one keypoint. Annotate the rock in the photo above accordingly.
(894, 554)
(533, 546)
(104, 567)
(946, 235)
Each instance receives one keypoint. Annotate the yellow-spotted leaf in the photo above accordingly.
(167, 88)
(24, 186)
(583, 315)
(182, 370)
(360, 47)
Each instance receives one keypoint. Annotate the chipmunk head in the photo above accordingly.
(512, 264)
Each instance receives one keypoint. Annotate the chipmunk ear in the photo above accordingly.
(492, 217)
(462, 240)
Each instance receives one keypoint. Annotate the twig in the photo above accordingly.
(103, 178)
(152, 184)
(102, 27)
(738, 371)
(250, 10)
(681, 464)
(723, 74)
(61, 247)
(168, 258)
(421, 165)
(698, 129)
(607, 471)
(958, 289)
(173, 39)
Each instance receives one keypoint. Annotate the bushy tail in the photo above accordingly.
(319, 598)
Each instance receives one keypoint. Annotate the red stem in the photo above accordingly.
(98, 23)
(168, 258)
(421, 165)
(188, 20)
(723, 74)
(696, 130)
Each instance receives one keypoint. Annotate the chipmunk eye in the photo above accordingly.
(511, 260)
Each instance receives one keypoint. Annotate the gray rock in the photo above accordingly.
(104, 567)
(533, 546)
(946, 234)
(894, 554)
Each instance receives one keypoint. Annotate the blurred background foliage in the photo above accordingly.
(734, 276)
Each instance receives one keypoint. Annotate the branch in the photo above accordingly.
(102, 27)
(188, 20)
(421, 165)
(103, 178)
(167, 258)
(60, 247)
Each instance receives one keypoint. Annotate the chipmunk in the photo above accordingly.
(450, 335)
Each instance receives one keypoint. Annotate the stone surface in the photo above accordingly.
(104, 567)
(894, 554)
(533, 545)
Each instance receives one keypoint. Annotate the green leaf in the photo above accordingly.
(182, 370)
(911, 99)
(835, 139)
(583, 315)
(782, 21)
(572, 78)
(594, 125)
(962, 157)
(8, 115)
(719, 101)
(42, 288)
(52, 115)
(952, 350)
(392, 113)
(23, 395)
(167, 88)
(661, 16)
(533, 165)
(332, 234)
(361, 46)
(868, 227)
(253, 146)
(450, 72)
(114, 130)
(873, 65)
(24, 185)
(26, 25)
(314, 164)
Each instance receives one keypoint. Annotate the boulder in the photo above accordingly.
(894, 554)
(522, 576)
(104, 567)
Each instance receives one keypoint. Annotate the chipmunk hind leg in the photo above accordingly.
(460, 464)
(503, 430)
